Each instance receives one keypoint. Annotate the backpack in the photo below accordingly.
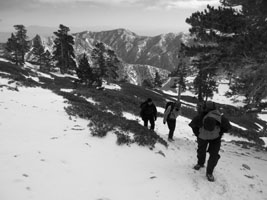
(170, 103)
(211, 126)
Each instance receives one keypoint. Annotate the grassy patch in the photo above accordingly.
(19, 74)
(102, 122)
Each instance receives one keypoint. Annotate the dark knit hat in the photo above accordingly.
(149, 100)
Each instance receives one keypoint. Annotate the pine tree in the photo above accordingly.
(98, 55)
(12, 48)
(63, 50)
(181, 70)
(251, 50)
(23, 44)
(100, 67)
(251, 84)
(205, 83)
(112, 65)
(106, 63)
(84, 71)
(147, 83)
(17, 45)
(214, 31)
(157, 80)
(38, 49)
(236, 39)
(46, 60)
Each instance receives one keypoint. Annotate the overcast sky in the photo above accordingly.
(144, 17)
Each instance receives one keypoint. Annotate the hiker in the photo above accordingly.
(172, 111)
(209, 126)
(148, 113)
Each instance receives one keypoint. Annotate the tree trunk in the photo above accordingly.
(62, 58)
(200, 87)
(179, 92)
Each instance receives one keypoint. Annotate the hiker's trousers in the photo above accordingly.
(211, 146)
(171, 125)
(151, 120)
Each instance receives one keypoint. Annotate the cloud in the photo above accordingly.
(193, 3)
(144, 4)
(7, 5)
(149, 4)
(89, 1)
(157, 4)
(182, 4)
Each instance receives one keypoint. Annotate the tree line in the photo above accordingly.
(103, 63)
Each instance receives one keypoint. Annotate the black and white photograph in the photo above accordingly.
(133, 99)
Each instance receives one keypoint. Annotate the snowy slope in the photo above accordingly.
(219, 97)
(47, 155)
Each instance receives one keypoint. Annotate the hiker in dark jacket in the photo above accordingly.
(148, 113)
(209, 126)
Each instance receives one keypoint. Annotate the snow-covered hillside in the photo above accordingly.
(46, 154)
(219, 97)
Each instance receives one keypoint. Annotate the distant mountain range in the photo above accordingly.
(160, 51)
(144, 55)
(31, 32)
(46, 31)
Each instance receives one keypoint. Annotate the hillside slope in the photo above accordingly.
(47, 154)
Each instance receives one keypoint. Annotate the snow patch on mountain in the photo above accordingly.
(138, 73)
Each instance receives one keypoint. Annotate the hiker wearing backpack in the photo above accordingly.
(209, 126)
(148, 113)
(172, 111)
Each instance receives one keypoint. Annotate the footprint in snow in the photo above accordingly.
(219, 187)
(161, 153)
(25, 175)
(87, 144)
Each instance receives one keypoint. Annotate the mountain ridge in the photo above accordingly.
(160, 51)
(142, 56)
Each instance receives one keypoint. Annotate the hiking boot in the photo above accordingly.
(210, 177)
(170, 139)
(198, 166)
